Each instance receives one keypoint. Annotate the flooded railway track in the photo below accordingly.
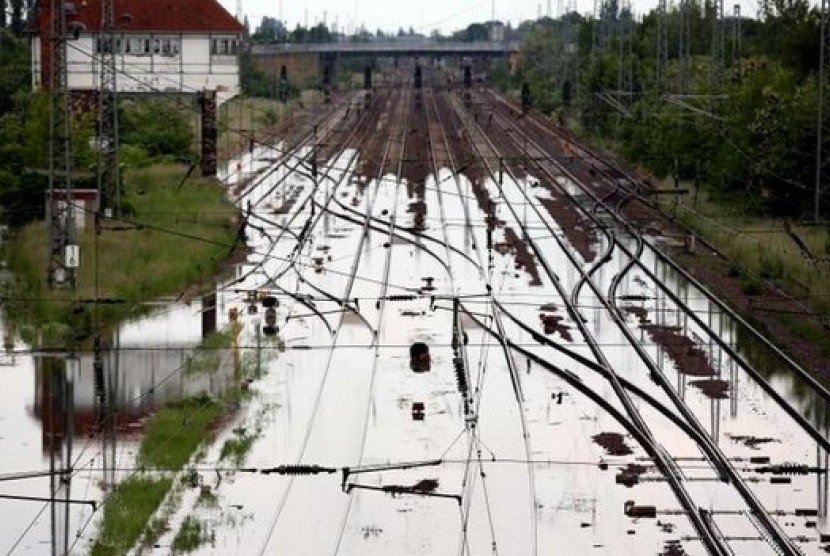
(578, 393)
(476, 298)
(719, 461)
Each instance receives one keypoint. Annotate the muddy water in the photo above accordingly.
(529, 465)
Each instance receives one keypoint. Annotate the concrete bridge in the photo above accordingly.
(309, 60)
(392, 49)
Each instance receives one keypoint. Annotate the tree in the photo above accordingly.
(270, 30)
(319, 34)
(15, 68)
(474, 32)
(158, 126)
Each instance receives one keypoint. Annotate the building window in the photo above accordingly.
(225, 46)
(140, 46)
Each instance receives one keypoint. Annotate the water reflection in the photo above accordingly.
(89, 406)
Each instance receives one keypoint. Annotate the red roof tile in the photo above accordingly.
(150, 15)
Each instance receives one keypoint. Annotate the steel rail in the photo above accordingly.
(714, 544)
(713, 452)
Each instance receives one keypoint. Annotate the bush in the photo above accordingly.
(159, 126)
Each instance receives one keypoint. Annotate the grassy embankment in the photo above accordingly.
(177, 236)
(793, 257)
(173, 435)
(178, 233)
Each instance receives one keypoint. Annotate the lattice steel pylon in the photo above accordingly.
(599, 39)
(736, 33)
(683, 47)
(823, 125)
(716, 67)
(109, 181)
(662, 55)
(625, 73)
(571, 50)
(59, 212)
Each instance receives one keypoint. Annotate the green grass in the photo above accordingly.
(207, 356)
(761, 249)
(190, 536)
(157, 527)
(177, 236)
(207, 498)
(126, 514)
(236, 448)
(175, 432)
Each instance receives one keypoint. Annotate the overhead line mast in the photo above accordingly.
(109, 181)
(59, 212)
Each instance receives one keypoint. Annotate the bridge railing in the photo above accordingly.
(391, 48)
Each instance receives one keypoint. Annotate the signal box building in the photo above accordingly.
(161, 46)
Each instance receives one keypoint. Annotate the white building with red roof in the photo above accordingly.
(161, 46)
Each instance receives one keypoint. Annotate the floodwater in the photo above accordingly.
(490, 451)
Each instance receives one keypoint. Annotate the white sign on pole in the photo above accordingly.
(73, 256)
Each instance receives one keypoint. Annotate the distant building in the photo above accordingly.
(181, 46)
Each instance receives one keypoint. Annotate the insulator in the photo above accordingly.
(461, 378)
(793, 469)
(98, 371)
(401, 297)
(786, 469)
(297, 470)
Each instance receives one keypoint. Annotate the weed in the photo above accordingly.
(157, 527)
(126, 514)
(191, 534)
(235, 449)
(190, 478)
(207, 498)
(176, 431)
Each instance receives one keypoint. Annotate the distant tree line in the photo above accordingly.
(743, 123)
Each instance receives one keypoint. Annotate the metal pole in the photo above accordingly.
(820, 126)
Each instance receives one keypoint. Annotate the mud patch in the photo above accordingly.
(630, 474)
(640, 313)
(673, 548)
(577, 228)
(419, 212)
(751, 441)
(553, 324)
(689, 359)
(713, 388)
(521, 253)
(613, 443)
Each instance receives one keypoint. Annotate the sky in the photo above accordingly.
(422, 15)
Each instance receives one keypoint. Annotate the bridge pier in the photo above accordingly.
(207, 104)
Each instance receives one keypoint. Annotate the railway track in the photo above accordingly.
(456, 232)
